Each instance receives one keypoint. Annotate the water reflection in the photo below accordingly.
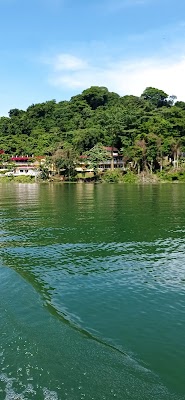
(109, 261)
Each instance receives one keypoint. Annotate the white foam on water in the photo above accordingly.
(11, 394)
(49, 395)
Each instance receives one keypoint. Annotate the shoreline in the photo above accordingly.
(138, 181)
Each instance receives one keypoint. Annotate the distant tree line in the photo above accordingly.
(145, 129)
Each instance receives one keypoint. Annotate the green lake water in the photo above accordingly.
(92, 292)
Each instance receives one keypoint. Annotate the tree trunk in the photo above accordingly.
(174, 159)
(145, 165)
(161, 162)
(112, 160)
(151, 167)
(69, 174)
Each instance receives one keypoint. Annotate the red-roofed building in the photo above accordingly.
(26, 160)
(21, 165)
(24, 165)
(19, 159)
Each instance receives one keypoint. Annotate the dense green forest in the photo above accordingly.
(145, 129)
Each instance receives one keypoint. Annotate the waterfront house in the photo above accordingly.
(83, 169)
(115, 159)
(23, 170)
(23, 165)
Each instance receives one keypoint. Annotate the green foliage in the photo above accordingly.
(6, 179)
(15, 112)
(64, 159)
(117, 176)
(130, 177)
(44, 172)
(156, 97)
(96, 156)
(180, 104)
(172, 176)
(114, 176)
(4, 158)
(18, 179)
(148, 130)
(85, 139)
(95, 96)
(24, 179)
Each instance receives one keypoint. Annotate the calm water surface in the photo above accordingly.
(92, 292)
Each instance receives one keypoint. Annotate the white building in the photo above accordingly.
(23, 170)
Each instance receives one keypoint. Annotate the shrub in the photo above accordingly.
(172, 176)
(130, 177)
(24, 179)
(114, 176)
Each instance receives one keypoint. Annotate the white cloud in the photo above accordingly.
(68, 62)
(123, 77)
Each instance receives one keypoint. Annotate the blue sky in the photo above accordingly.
(53, 49)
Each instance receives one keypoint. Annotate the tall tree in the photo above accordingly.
(156, 97)
(96, 156)
(65, 158)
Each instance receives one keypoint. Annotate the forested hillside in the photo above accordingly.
(145, 128)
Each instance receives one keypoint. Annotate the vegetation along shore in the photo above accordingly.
(96, 136)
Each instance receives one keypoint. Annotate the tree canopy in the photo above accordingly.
(144, 128)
